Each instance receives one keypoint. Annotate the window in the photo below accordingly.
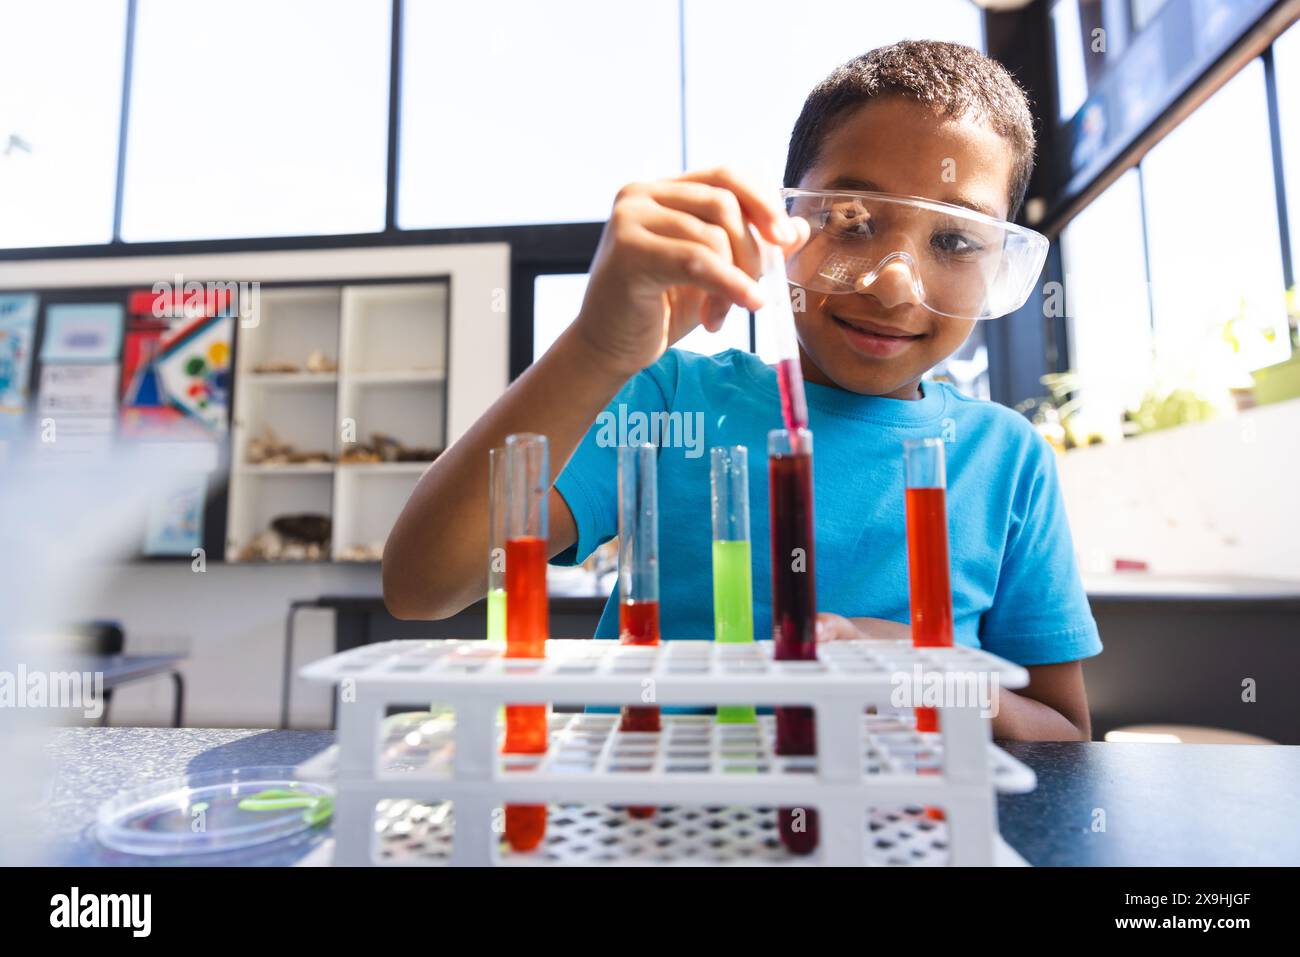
(61, 66)
(1213, 240)
(748, 74)
(557, 298)
(1071, 73)
(516, 112)
(250, 118)
(1286, 60)
(1107, 304)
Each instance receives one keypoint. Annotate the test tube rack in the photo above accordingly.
(429, 790)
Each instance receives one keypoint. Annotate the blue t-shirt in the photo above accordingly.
(1015, 585)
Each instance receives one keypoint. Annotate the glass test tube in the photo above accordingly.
(498, 500)
(638, 562)
(733, 589)
(528, 485)
(638, 572)
(794, 605)
(927, 552)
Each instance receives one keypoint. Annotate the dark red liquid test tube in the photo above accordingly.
(794, 607)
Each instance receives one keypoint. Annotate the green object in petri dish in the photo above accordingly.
(316, 810)
(733, 610)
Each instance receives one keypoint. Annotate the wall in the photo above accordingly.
(1215, 498)
(230, 619)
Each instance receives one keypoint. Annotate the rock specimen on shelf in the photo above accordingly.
(362, 553)
(277, 366)
(317, 361)
(291, 538)
(267, 449)
(386, 448)
(308, 528)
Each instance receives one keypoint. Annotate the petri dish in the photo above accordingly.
(200, 813)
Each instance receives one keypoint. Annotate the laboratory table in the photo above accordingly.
(1095, 804)
(118, 670)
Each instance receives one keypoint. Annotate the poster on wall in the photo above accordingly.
(175, 521)
(175, 372)
(82, 332)
(72, 389)
(17, 334)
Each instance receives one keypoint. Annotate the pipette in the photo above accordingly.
(777, 313)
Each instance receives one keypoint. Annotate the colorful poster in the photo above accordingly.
(17, 333)
(17, 330)
(82, 332)
(78, 389)
(175, 375)
(175, 524)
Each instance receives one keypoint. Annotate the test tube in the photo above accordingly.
(638, 571)
(927, 552)
(733, 589)
(928, 572)
(794, 605)
(528, 485)
(638, 562)
(498, 497)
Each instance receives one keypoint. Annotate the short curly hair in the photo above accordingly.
(956, 80)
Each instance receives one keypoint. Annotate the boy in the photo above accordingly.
(916, 119)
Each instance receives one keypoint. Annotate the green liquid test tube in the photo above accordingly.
(496, 570)
(496, 615)
(733, 588)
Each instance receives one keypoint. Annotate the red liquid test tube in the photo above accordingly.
(927, 553)
(794, 606)
(527, 625)
(927, 558)
(638, 571)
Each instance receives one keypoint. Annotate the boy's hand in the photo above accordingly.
(677, 253)
(832, 627)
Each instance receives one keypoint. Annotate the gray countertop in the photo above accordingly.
(1095, 804)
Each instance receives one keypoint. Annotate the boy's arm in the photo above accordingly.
(435, 559)
(674, 254)
(1053, 707)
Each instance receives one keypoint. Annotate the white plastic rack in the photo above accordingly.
(427, 788)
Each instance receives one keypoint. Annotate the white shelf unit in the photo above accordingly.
(427, 789)
(287, 324)
(392, 381)
(389, 342)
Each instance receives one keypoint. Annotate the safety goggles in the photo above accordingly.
(959, 263)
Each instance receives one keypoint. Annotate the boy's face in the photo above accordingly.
(896, 145)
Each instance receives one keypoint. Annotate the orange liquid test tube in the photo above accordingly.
(527, 624)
